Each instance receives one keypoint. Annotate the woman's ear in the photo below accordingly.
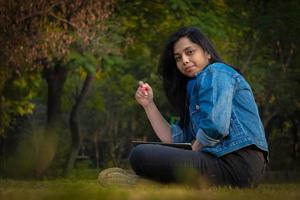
(208, 55)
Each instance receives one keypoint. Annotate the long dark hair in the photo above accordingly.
(174, 82)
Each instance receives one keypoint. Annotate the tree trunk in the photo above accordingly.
(96, 149)
(294, 131)
(55, 80)
(75, 125)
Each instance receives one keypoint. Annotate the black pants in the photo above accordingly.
(242, 168)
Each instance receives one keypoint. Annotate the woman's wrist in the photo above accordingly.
(196, 146)
(149, 106)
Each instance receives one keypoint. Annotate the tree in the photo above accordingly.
(269, 58)
(39, 36)
(145, 27)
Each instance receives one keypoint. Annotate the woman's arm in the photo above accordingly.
(159, 124)
(213, 111)
(144, 96)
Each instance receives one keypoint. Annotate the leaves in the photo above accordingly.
(120, 43)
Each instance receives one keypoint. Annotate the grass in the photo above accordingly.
(74, 188)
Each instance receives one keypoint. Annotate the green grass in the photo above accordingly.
(89, 189)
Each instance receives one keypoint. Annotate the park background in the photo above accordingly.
(70, 69)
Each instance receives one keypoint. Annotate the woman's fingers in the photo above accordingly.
(141, 83)
(140, 93)
(144, 87)
(144, 94)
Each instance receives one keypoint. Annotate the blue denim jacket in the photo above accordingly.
(223, 114)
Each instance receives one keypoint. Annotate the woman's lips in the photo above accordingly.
(188, 69)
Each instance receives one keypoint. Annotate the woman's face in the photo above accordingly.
(190, 57)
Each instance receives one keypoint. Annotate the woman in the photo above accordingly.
(218, 114)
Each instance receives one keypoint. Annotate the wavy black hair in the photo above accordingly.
(174, 82)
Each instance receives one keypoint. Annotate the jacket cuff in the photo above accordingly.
(205, 140)
(177, 133)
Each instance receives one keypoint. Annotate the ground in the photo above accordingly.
(89, 189)
(82, 185)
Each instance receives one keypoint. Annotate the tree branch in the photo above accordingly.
(64, 21)
(250, 55)
(290, 55)
(42, 12)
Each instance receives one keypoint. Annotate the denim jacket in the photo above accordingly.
(223, 114)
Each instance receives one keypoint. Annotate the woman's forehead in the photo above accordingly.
(182, 44)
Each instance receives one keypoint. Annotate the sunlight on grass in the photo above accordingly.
(89, 189)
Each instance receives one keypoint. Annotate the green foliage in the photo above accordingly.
(86, 60)
(259, 37)
(16, 99)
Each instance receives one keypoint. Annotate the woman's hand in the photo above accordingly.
(196, 146)
(144, 94)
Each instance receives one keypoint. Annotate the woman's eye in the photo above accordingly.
(190, 52)
(177, 59)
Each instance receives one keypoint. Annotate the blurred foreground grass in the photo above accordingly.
(75, 187)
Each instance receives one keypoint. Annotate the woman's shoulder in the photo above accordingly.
(219, 67)
(220, 71)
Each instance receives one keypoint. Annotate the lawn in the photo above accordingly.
(89, 189)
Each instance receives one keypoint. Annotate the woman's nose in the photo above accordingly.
(185, 59)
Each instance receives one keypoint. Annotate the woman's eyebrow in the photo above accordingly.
(176, 53)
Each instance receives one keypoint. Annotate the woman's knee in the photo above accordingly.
(137, 155)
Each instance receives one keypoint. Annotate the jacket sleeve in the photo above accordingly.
(215, 106)
(177, 133)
